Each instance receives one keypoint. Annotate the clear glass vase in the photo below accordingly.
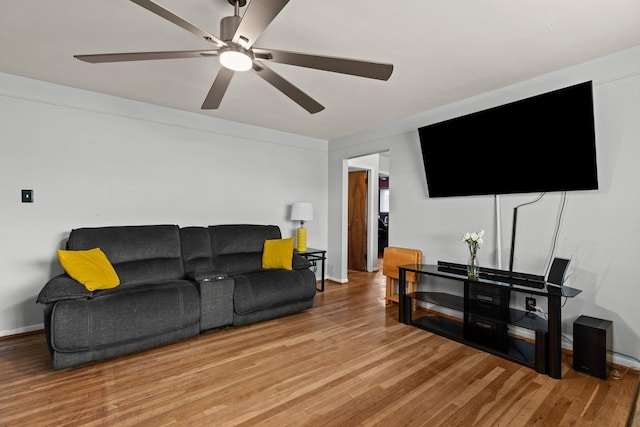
(473, 266)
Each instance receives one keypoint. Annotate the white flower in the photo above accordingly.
(474, 239)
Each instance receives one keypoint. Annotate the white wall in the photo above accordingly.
(599, 229)
(94, 160)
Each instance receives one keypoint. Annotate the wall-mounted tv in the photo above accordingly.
(539, 144)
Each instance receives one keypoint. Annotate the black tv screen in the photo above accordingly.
(539, 144)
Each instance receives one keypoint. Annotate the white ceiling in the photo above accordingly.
(442, 51)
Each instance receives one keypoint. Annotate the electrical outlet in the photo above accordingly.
(530, 304)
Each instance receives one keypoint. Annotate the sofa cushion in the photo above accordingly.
(124, 314)
(237, 248)
(266, 289)
(240, 238)
(277, 253)
(196, 249)
(90, 267)
(139, 254)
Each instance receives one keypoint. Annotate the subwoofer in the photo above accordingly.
(592, 346)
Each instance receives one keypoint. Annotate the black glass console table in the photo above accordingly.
(477, 312)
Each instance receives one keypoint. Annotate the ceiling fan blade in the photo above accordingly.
(218, 88)
(277, 81)
(354, 67)
(255, 20)
(179, 21)
(144, 56)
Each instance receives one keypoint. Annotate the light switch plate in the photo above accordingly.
(27, 196)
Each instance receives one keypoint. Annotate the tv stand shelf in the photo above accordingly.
(527, 320)
(441, 325)
(443, 299)
(478, 313)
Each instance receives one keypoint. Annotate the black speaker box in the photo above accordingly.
(592, 345)
(558, 270)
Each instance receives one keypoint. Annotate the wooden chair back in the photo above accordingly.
(392, 258)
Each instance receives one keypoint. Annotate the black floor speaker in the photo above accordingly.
(592, 345)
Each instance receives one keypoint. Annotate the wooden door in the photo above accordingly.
(357, 240)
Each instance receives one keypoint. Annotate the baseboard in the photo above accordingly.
(20, 331)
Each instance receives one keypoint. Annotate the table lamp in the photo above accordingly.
(302, 211)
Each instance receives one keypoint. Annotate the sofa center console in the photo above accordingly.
(478, 312)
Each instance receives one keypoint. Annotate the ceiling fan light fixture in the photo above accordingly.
(236, 58)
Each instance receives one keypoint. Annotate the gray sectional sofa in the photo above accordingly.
(174, 283)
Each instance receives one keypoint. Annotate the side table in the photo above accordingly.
(314, 256)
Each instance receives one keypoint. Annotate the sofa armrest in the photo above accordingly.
(299, 262)
(63, 287)
(206, 275)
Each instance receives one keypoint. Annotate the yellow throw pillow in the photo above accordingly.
(277, 253)
(90, 267)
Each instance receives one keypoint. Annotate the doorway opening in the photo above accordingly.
(368, 211)
(383, 214)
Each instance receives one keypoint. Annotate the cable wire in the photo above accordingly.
(540, 196)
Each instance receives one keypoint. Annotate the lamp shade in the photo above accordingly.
(301, 211)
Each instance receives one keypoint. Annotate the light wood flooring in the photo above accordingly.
(346, 362)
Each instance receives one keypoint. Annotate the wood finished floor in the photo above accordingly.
(346, 362)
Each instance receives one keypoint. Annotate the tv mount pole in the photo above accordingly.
(513, 237)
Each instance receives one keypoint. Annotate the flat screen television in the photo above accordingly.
(539, 144)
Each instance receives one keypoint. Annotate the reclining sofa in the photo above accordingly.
(175, 283)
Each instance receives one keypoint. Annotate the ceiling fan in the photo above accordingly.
(235, 50)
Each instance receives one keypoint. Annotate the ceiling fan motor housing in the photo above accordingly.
(228, 27)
